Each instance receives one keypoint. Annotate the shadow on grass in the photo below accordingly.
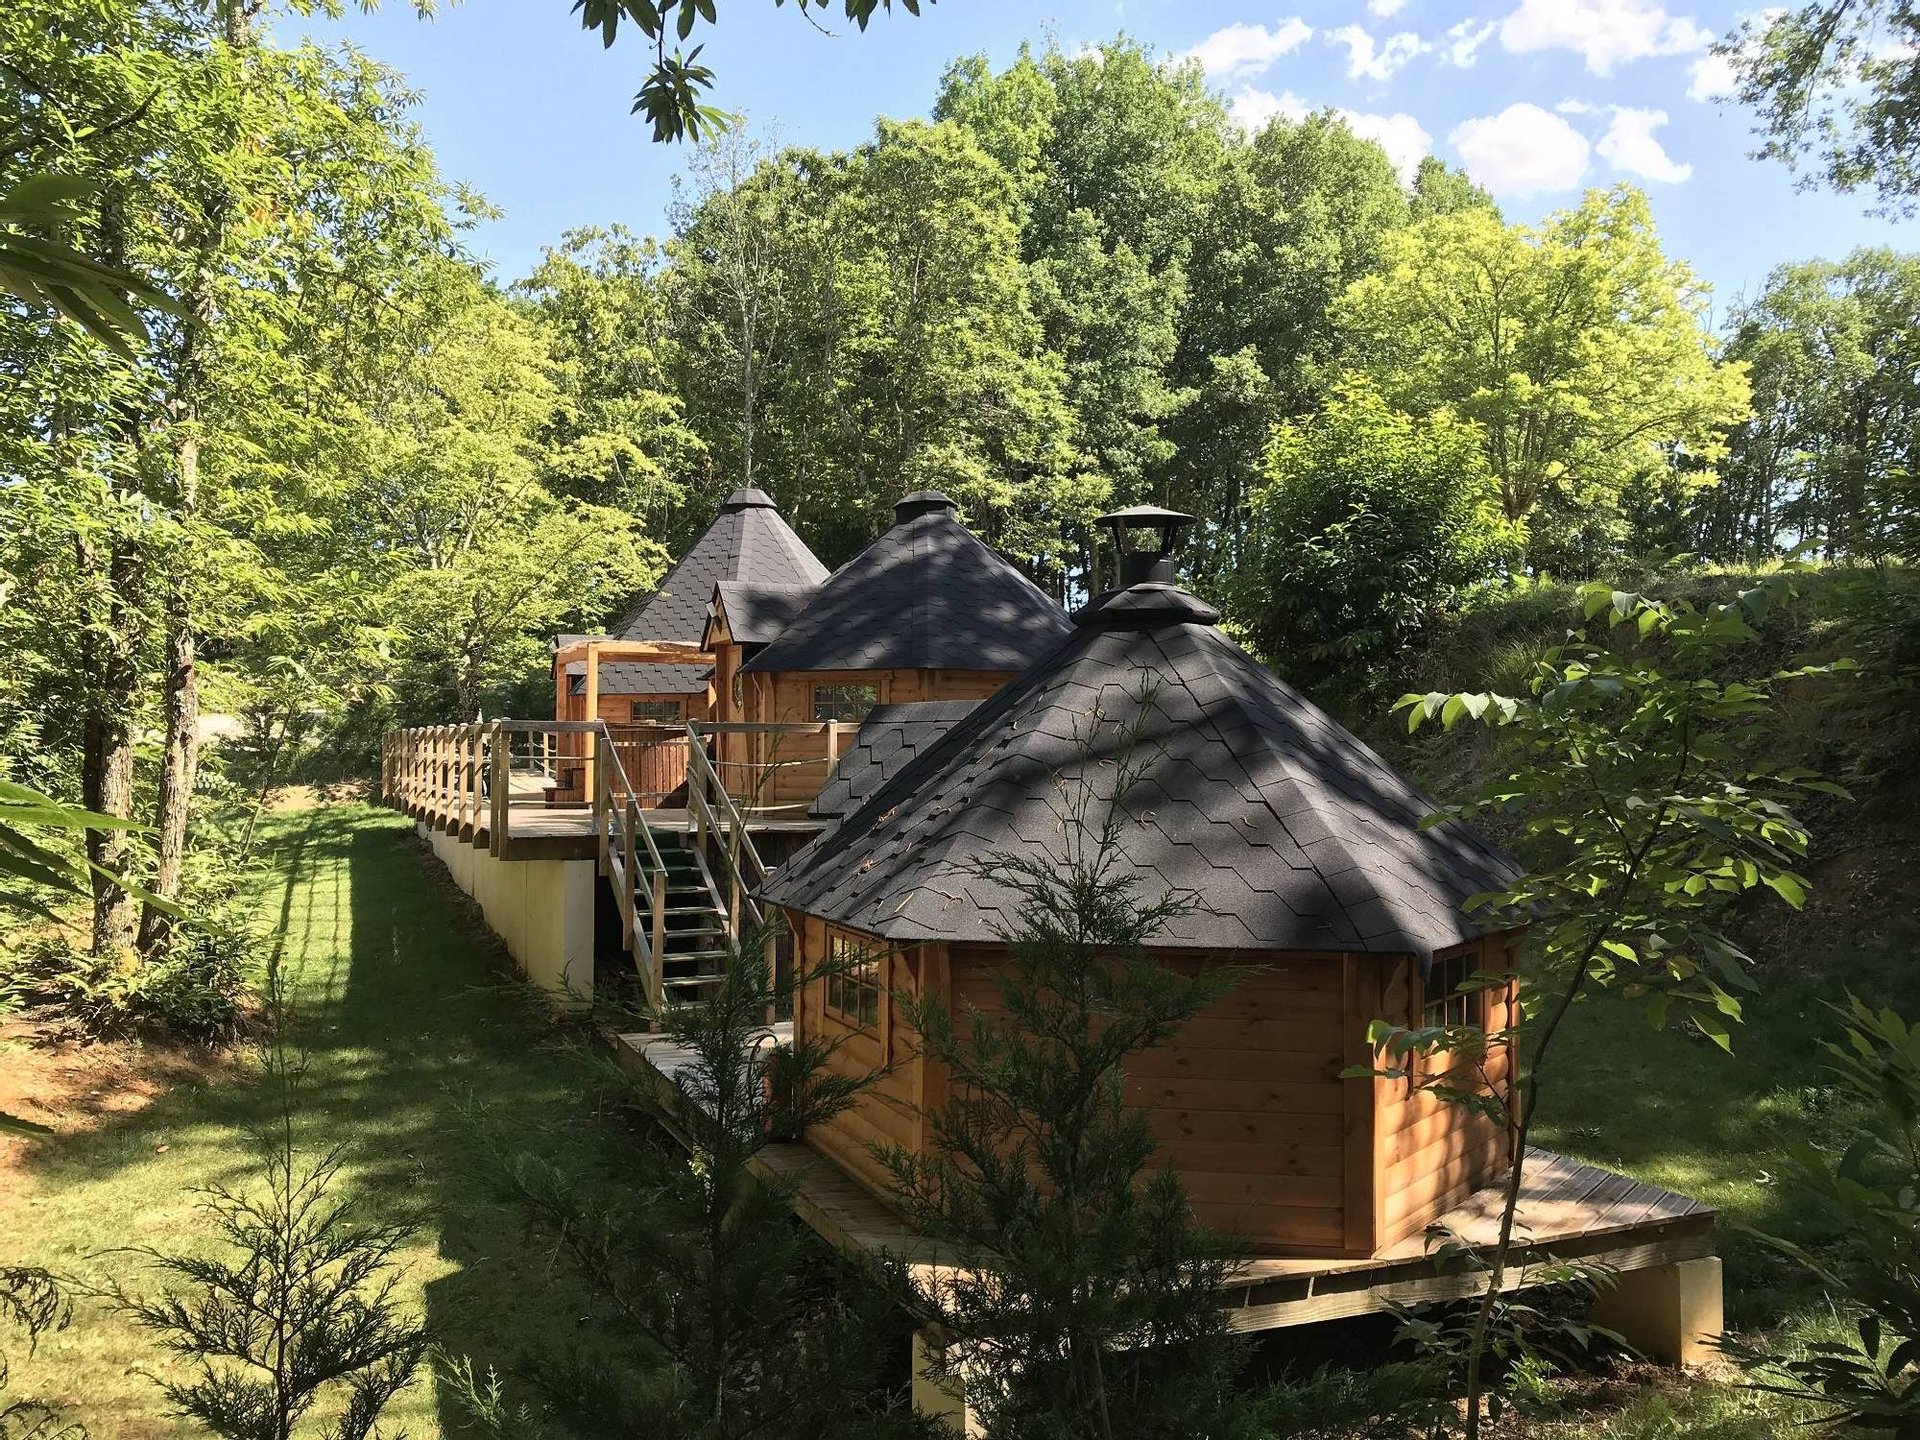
(408, 1011)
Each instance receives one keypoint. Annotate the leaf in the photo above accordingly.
(1788, 887)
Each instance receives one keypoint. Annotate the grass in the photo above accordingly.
(406, 1009)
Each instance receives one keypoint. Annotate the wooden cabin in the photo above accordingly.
(926, 612)
(651, 668)
(1305, 852)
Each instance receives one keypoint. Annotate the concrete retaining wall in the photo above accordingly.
(541, 909)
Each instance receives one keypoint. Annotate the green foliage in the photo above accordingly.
(670, 98)
(1368, 525)
(37, 267)
(1631, 774)
(196, 985)
(1082, 1298)
(724, 1318)
(1577, 347)
(1831, 451)
(31, 1300)
(1835, 83)
(304, 1309)
(1871, 1262)
(31, 873)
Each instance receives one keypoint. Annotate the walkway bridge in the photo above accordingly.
(524, 813)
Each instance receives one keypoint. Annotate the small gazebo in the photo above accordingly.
(1306, 852)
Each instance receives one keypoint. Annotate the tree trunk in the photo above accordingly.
(180, 765)
(111, 678)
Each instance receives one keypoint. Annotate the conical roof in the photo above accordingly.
(926, 595)
(1293, 833)
(748, 540)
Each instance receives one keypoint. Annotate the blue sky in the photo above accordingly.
(1539, 99)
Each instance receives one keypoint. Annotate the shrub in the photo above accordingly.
(195, 988)
(1370, 524)
(1871, 1265)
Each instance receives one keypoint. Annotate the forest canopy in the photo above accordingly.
(352, 479)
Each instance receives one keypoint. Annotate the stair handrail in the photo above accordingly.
(736, 845)
(629, 821)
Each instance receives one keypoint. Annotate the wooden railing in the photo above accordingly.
(774, 771)
(476, 779)
(630, 859)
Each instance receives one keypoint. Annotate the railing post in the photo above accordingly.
(499, 768)
(659, 922)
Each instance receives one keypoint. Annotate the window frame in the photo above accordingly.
(854, 996)
(673, 711)
(1447, 1004)
(839, 691)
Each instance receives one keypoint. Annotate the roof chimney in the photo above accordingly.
(921, 502)
(1151, 563)
(749, 499)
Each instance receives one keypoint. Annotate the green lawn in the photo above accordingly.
(406, 1007)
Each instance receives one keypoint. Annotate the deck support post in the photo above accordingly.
(934, 1398)
(1671, 1312)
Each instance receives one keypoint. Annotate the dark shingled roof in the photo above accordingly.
(889, 737)
(927, 595)
(757, 613)
(747, 541)
(640, 677)
(1292, 832)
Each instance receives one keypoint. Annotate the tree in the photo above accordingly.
(1079, 1297)
(670, 98)
(617, 436)
(1301, 216)
(853, 325)
(1872, 1261)
(1632, 772)
(1832, 449)
(1577, 347)
(1368, 524)
(305, 1309)
(1836, 84)
(1115, 160)
(726, 1320)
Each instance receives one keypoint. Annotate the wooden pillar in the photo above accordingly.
(940, 1401)
(592, 714)
(1670, 1312)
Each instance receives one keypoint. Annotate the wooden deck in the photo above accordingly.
(538, 832)
(1568, 1211)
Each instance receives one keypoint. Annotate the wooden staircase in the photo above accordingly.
(696, 939)
(685, 895)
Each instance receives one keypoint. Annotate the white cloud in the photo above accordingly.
(1241, 52)
(1403, 138)
(1574, 107)
(1710, 77)
(1253, 109)
(1629, 145)
(1386, 9)
(1603, 32)
(1400, 135)
(1521, 150)
(1464, 40)
(1375, 60)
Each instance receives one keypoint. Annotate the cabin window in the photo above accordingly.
(645, 710)
(843, 702)
(1443, 1002)
(853, 982)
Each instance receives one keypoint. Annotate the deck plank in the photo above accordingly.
(1567, 1210)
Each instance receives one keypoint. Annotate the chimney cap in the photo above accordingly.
(1142, 516)
(921, 502)
(748, 499)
